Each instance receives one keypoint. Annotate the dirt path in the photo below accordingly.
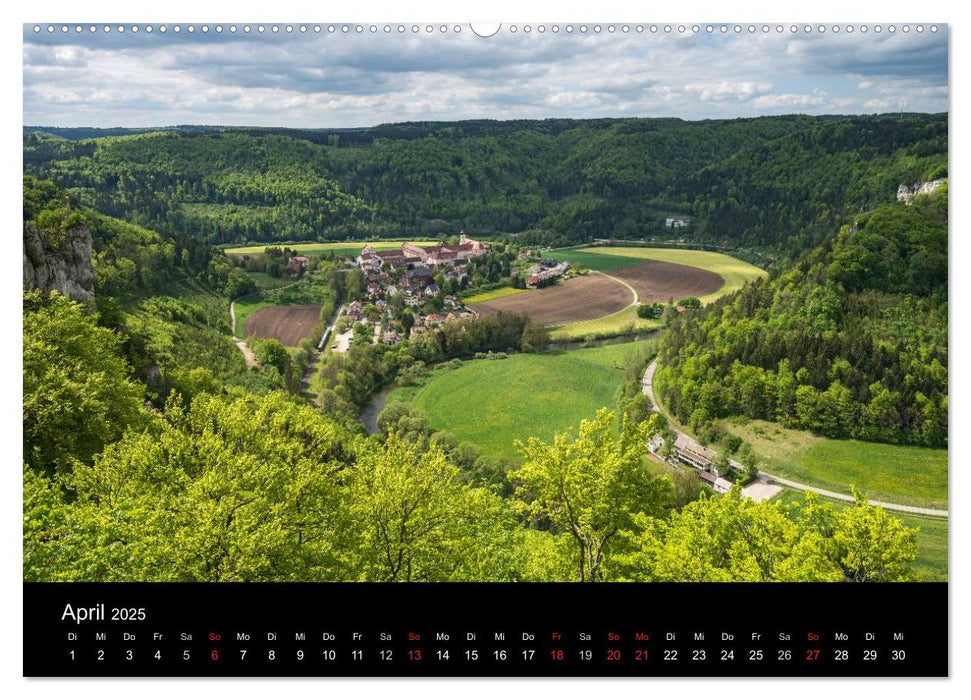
(247, 351)
(647, 386)
(637, 299)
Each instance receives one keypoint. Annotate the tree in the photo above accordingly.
(732, 538)
(650, 310)
(535, 337)
(865, 542)
(272, 352)
(412, 518)
(77, 394)
(242, 489)
(589, 487)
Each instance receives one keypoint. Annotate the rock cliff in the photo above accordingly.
(61, 262)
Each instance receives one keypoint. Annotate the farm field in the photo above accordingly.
(591, 259)
(733, 272)
(620, 322)
(492, 403)
(246, 307)
(288, 324)
(662, 281)
(338, 248)
(931, 562)
(494, 294)
(577, 299)
(903, 474)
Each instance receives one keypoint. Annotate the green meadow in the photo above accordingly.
(492, 403)
(904, 474)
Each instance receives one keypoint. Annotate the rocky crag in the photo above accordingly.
(61, 262)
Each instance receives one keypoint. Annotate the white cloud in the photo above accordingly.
(351, 80)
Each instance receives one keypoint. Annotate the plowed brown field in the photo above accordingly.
(288, 324)
(660, 281)
(576, 299)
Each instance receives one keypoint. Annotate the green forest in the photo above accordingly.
(849, 342)
(152, 453)
(772, 185)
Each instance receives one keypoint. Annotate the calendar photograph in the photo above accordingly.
(451, 304)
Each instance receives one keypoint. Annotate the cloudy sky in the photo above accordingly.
(358, 79)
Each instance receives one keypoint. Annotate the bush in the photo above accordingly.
(650, 310)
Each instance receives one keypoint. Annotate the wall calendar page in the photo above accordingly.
(485, 350)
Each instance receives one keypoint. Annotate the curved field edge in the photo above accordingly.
(734, 272)
(244, 308)
(492, 403)
(620, 322)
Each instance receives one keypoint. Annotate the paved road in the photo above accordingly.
(647, 386)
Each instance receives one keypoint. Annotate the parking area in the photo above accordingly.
(760, 491)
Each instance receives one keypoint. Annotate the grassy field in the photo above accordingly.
(265, 281)
(896, 473)
(338, 248)
(735, 272)
(591, 259)
(616, 323)
(246, 307)
(931, 562)
(494, 294)
(491, 403)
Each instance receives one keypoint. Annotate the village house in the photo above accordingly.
(693, 454)
(717, 483)
(677, 221)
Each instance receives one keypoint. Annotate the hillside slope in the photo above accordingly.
(850, 342)
(772, 183)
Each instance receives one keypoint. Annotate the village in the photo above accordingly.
(415, 287)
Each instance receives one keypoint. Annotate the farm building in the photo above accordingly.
(693, 454)
(677, 221)
(717, 483)
(539, 274)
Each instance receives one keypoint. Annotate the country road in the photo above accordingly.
(647, 386)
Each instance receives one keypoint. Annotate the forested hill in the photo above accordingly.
(779, 184)
(851, 342)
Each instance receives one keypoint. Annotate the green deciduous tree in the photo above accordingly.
(590, 487)
(731, 538)
(77, 394)
(411, 517)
